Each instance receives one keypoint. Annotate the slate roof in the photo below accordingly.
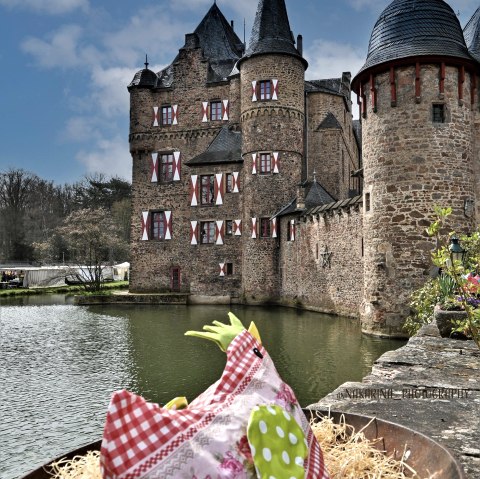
(226, 147)
(219, 43)
(336, 205)
(357, 131)
(329, 122)
(271, 31)
(471, 33)
(317, 195)
(409, 28)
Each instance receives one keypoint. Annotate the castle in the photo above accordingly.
(252, 185)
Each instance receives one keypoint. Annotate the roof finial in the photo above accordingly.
(146, 61)
(314, 176)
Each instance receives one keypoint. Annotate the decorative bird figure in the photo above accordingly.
(248, 424)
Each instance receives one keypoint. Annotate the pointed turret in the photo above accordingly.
(271, 31)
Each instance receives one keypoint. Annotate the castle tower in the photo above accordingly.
(272, 121)
(417, 91)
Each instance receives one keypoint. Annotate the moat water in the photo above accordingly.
(59, 364)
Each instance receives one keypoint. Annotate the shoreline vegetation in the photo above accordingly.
(107, 289)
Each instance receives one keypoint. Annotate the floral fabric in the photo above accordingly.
(208, 439)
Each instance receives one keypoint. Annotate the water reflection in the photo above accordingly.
(59, 364)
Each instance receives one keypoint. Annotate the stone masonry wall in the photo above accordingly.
(322, 269)
(326, 146)
(152, 260)
(269, 126)
(410, 164)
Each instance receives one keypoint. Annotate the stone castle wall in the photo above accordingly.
(269, 126)
(411, 163)
(323, 268)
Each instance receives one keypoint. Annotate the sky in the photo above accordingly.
(66, 64)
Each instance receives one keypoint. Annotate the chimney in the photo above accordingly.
(300, 44)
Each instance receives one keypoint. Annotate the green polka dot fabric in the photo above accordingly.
(277, 442)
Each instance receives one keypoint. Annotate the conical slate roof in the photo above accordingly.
(271, 31)
(471, 33)
(412, 28)
(145, 78)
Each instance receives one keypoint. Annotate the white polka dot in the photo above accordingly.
(285, 457)
(287, 416)
(280, 432)
(256, 408)
(271, 477)
(293, 438)
(299, 461)
(263, 427)
(267, 454)
(271, 410)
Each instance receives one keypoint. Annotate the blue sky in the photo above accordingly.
(66, 65)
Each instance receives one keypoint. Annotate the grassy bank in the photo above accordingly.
(108, 288)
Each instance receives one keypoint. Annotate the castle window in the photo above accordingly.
(265, 90)
(166, 167)
(167, 115)
(207, 190)
(264, 227)
(229, 269)
(367, 202)
(216, 110)
(207, 232)
(229, 227)
(438, 113)
(229, 182)
(265, 164)
(159, 225)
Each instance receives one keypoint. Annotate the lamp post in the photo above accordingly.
(457, 253)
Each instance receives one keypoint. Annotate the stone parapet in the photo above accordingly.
(431, 385)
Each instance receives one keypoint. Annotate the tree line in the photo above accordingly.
(35, 212)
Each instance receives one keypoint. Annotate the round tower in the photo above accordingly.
(272, 120)
(417, 92)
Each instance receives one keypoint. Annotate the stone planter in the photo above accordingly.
(444, 320)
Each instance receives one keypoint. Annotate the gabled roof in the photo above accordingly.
(219, 42)
(471, 33)
(220, 46)
(317, 196)
(226, 147)
(271, 31)
(329, 122)
(413, 28)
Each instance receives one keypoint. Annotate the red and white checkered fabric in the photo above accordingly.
(208, 439)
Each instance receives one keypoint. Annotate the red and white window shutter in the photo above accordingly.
(219, 232)
(237, 227)
(204, 111)
(218, 189)
(174, 114)
(275, 162)
(254, 227)
(154, 168)
(155, 116)
(274, 227)
(176, 166)
(194, 190)
(292, 230)
(145, 225)
(225, 110)
(254, 90)
(222, 269)
(274, 89)
(235, 182)
(194, 228)
(168, 224)
(254, 163)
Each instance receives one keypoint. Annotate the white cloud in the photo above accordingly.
(108, 156)
(328, 59)
(54, 7)
(60, 50)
